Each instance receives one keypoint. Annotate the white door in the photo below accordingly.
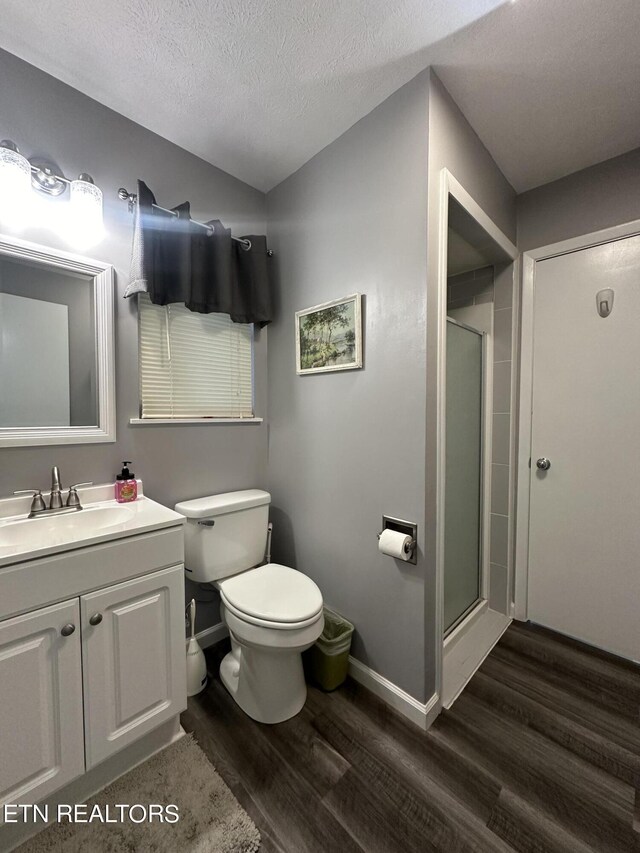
(133, 658)
(41, 736)
(584, 543)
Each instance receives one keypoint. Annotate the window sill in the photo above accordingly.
(193, 421)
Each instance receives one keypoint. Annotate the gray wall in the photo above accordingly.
(454, 145)
(46, 117)
(347, 447)
(602, 196)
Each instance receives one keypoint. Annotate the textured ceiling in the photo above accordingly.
(550, 86)
(257, 87)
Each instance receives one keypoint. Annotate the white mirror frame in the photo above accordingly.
(102, 275)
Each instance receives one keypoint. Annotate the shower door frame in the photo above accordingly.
(475, 636)
(485, 484)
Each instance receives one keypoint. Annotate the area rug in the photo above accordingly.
(211, 819)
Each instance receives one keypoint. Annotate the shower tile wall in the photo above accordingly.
(472, 288)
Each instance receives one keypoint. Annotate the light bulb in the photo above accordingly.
(84, 225)
(15, 185)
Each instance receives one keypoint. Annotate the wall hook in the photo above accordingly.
(604, 302)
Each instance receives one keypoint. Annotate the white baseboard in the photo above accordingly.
(422, 714)
(211, 636)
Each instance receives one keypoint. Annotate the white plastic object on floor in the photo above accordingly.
(196, 663)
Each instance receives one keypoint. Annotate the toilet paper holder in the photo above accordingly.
(408, 528)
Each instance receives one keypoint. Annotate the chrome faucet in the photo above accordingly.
(56, 505)
(55, 500)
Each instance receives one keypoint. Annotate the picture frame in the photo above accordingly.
(329, 336)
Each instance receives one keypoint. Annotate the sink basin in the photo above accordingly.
(100, 520)
(48, 531)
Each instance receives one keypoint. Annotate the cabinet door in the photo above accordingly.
(41, 736)
(133, 658)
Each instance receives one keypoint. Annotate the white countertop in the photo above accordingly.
(68, 532)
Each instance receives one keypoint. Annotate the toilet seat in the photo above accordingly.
(266, 623)
(272, 596)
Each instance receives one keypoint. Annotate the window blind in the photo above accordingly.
(193, 365)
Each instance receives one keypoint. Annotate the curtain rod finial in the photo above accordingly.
(125, 195)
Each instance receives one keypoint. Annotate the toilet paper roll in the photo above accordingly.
(394, 544)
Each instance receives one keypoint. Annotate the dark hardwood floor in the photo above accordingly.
(540, 753)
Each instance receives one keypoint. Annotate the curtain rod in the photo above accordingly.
(132, 198)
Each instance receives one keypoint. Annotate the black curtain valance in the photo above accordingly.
(176, 260)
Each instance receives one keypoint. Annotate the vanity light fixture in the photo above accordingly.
(80, 222)
(15, 183)
(43, 178)
(85, 221)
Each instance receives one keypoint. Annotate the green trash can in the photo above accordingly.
(327, 661)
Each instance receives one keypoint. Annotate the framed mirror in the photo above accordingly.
(56, 347)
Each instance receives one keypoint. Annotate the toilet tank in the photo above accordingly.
(224, 534)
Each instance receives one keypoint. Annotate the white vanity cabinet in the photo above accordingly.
(133, 660)
(92, 662)
(41, 725)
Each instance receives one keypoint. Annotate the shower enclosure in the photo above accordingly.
(477, 296)
(463, 522)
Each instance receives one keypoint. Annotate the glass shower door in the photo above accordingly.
(463, 477)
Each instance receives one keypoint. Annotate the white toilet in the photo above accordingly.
(273, 612)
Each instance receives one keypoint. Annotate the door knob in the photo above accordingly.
(96, 619)
(67, 630)
(543, 463)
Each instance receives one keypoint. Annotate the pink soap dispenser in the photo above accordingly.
(126, 485)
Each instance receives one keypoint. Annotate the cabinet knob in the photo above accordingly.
(96, 619)
(67, 630)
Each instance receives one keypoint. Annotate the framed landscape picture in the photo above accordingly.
(329, 336)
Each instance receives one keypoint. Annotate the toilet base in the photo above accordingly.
(268, 684)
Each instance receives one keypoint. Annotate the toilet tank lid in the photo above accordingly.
(213, 505)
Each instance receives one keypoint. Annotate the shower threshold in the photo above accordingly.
(466, 647)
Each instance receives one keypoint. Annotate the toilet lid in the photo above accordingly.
(273, 592)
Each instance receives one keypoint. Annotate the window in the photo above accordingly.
(193, 365)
